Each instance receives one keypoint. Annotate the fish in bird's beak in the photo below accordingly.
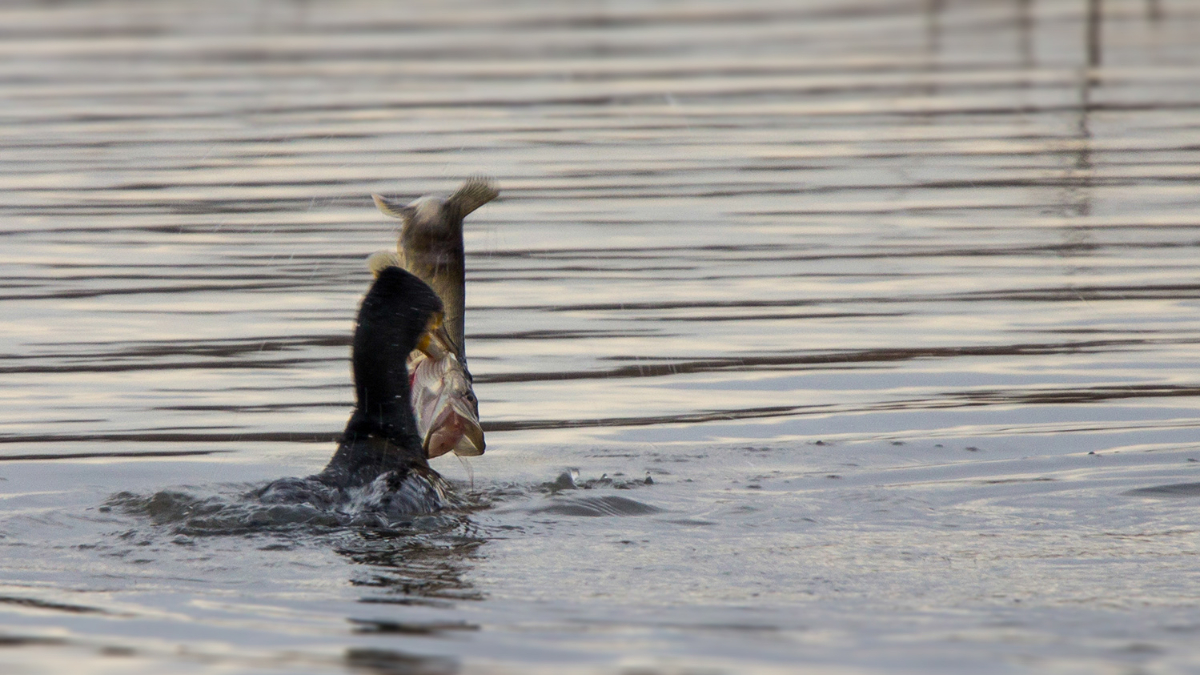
(446, 409)
(431, 247)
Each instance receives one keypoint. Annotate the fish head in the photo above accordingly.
(443, 400)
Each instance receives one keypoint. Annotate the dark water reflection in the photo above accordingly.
(894, 302)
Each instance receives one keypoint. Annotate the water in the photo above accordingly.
(847, 337)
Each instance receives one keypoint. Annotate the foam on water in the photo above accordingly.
(386, 503)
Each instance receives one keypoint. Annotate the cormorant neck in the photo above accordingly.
(381, 434)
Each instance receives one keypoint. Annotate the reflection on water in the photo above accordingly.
(862, 333)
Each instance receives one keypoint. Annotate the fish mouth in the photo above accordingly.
(443, 401)
(455, 429)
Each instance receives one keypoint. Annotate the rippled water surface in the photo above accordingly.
(826, 335)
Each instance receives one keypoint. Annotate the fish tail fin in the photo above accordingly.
(477, 191)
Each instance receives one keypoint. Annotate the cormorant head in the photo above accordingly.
(393, 316)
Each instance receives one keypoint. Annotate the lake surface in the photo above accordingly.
(809, 336)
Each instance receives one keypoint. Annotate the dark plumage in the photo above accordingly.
(381, 435)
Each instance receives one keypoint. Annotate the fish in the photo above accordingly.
(430, 246)
(443, 400)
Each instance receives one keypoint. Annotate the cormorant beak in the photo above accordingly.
(435, 342)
